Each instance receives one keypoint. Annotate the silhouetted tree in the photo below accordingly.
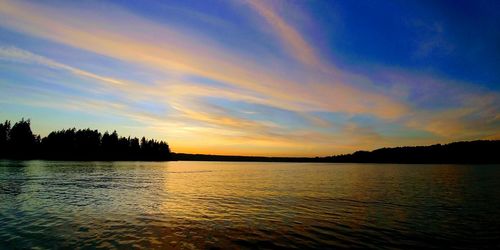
(109, 144)
(21, 140)
(135, 148)
(4, 138)
(87, 143)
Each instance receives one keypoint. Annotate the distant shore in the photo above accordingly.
(469, 152)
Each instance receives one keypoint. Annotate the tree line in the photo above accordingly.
(480, 151)
(17, 141)
(471, 152)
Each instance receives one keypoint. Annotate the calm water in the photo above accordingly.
(247, 205)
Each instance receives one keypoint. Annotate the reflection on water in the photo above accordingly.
(247, 205)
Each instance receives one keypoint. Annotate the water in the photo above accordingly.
(188, 205)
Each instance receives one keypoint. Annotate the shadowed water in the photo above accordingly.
(247, 205)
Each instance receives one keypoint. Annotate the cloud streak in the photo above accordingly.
(19, 55)
(289, 36)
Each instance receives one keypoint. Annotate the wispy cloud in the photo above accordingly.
(288, 35)
(24, 56)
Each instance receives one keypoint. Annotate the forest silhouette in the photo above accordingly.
(468, 152)
(18, 142)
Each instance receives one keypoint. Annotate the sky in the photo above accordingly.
(250, 77)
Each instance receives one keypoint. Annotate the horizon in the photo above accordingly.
(39, 141)
(263, 78)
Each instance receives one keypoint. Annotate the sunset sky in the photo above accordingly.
(274, 78)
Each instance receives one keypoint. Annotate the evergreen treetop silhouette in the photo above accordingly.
(19, 142)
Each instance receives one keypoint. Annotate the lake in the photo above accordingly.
(190, 205)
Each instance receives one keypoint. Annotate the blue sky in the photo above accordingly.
(292, 78)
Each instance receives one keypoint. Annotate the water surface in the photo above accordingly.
(126, 205)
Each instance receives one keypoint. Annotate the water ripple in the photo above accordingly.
(182, 205)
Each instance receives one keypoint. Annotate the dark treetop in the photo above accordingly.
(19, 142)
